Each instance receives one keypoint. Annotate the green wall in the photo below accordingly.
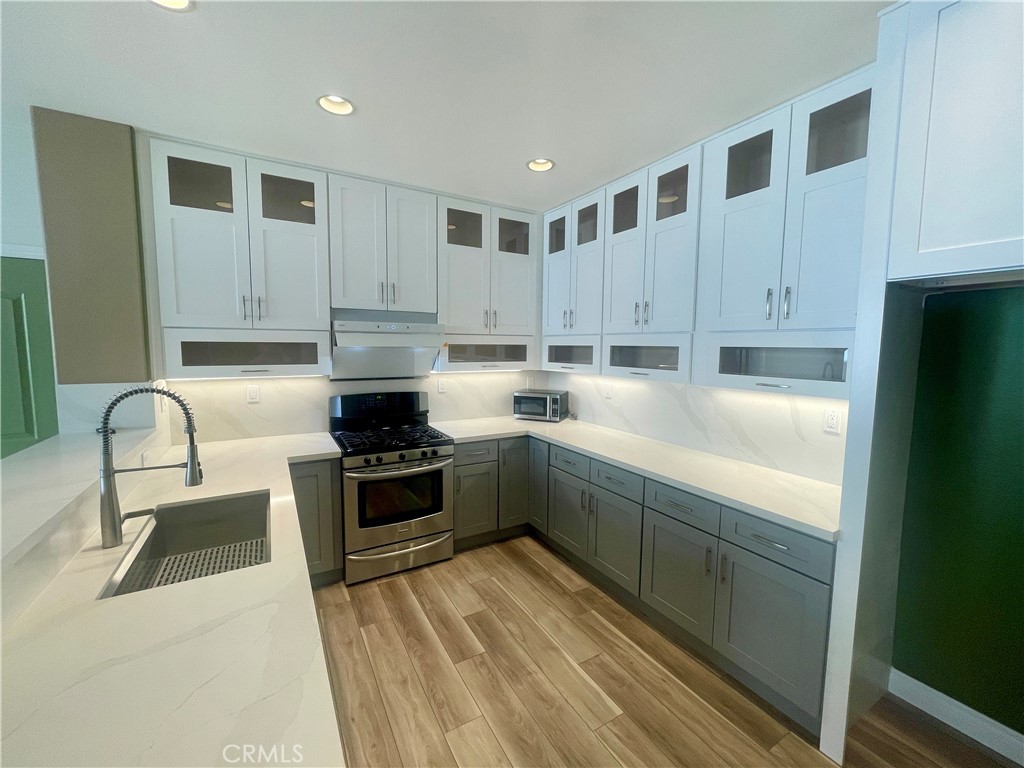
(960, 607)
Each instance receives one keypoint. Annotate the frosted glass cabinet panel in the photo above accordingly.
(838, 133)
(959, 189)
(195, 184)
(671, 189)
(581, 354)
(288, 199)
(664, 357)
(465, 228)
(465, 352)
(749, 165)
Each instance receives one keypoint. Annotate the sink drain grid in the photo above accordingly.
(195, 565)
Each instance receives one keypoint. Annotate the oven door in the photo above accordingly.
(385, 505)
(531, 407)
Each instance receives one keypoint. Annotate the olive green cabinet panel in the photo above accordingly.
(539, 454)
(513, 482)
(613, 544)
(567, 511)
(476, 499)
(317, 489)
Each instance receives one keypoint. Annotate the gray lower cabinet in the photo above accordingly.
(567, 511)
(513, 482)
(678, 573)
(317, 489)
(476, 499)
(538, 496)
(613, 545)
(773, 623)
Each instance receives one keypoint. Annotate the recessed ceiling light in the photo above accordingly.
(667, 198)
(540, 164)
(222, 204)
(307, 203)
(336, 105)
(174, 5)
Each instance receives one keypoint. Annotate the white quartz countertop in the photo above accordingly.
(805, 505)
(186, 674)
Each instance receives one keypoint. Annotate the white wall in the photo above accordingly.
(21, 221)
(772, 430)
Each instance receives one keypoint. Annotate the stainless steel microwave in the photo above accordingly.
(540, 404)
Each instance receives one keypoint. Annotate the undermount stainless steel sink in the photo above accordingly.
(192, 539)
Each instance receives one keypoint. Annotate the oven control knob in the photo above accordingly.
(423, 454)
(401, 457)
(380, 459)
(433, 452)
(367, 460)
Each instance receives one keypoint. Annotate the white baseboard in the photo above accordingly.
(983, 729)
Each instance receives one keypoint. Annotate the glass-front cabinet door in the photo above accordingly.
(202, 237)
(514, 282)
(463, 229)
(670, 275)
(587, 272)
(743, 212)
(825, 206)
(288, 246)
(625, 243)
(557, 272)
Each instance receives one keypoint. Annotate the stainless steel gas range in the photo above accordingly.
(397, 480)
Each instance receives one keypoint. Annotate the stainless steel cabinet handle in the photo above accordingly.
(259, 308)
(491, 365)
(564, 460)
(495, 323)
(647, 312)
(590, 504)
(418, 469)
(766, 384)
(677, 505)
(487, 319)
(565, 315)
(636, 313)
(401, 551)
(723, 567)
(252, 370)
(382, 298)
(458, 484)
(245, 315)
(768, 305)
(572, 316)
(479, 452)
(769, 542)
(707, 561)
(568, 368)
(394, 293)
(615, 480)
(638, 373)
(583, 500)
(785, 303)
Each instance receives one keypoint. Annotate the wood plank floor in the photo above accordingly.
(506, 656)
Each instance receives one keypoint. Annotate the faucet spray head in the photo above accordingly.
(193, 469)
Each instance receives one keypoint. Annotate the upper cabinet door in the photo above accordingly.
(288, 246)
(514, 283)
(557, 272)
(958, 195)
(587, 264)
(464, 242)
(825, 207)
(670, 277)
(743, 211)
(202, 237)
(359, 267)
(412, 250)
(625, 238)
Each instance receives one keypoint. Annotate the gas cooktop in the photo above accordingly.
(386, 439)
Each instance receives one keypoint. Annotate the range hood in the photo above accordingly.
(383, 350)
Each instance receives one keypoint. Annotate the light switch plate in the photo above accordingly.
(833, 421)
(252, 393)
(529, 382)
(608, 390)
(442, 385)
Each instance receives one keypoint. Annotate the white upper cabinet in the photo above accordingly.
(557, 272)
(411, 250)
(463, 232)
(743, 211)
(587, 264)
(202, 237)
(825, 206)
(514, 281)
(625, 238)
(958, 193)
(358, 221)
(650, 267)
(288, 247)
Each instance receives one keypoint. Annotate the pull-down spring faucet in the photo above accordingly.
(110, 509)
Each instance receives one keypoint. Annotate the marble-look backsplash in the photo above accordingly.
(778, 431)
(299, 404)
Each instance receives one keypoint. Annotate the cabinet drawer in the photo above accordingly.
(569, 461)
(794, 550)
(476, 453)
(683, 506)
(617, 480)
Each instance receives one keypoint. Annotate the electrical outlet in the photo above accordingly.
(252, 393)
(608, 390)
(529, 382)
(833, 421)
(442, 385)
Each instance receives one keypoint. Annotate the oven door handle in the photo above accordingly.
(401, 551)
(418, 470)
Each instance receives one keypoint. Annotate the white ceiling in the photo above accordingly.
(454, 97)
